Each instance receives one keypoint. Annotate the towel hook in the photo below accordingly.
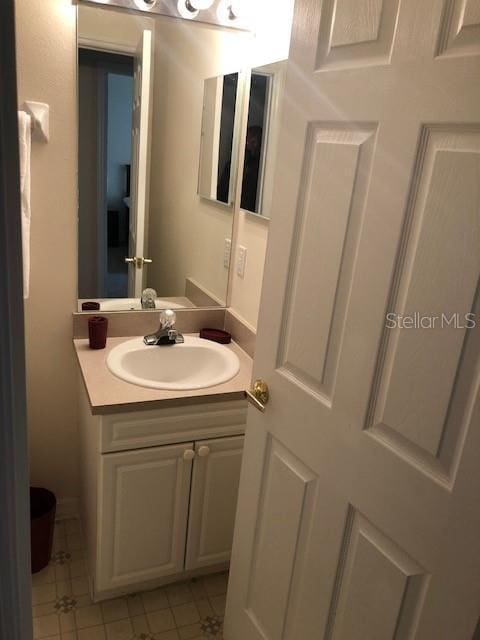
(40, 114)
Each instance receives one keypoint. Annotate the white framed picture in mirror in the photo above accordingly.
(142, 224)
(261, 135)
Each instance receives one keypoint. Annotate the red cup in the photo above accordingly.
(97, 332)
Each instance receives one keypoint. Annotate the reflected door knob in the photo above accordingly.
(188, 454)
(203, 451)
(259, 394)
(138, 262)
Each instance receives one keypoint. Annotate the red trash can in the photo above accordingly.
(42, 522)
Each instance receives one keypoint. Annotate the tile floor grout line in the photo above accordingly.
(194, 607)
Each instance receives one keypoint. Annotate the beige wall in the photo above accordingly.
(46, 54)
(104, 28)
(251, 231)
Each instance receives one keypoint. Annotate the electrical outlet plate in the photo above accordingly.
(241, 261)
(227, 250)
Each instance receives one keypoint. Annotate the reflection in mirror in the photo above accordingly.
(261, 138)
(142, 224)
(105, 126)
(216, 168)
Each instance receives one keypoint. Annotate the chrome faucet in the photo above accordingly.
(166, 334)
(148, 299)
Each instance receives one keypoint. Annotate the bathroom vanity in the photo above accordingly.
(160, 473)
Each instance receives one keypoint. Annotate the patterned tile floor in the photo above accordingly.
(63, 610)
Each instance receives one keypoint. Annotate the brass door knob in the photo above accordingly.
(259, 394)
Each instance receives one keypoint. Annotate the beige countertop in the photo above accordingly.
(109, 394)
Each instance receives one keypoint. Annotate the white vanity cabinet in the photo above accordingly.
(213, 501)
(159, 492)
(144, 515)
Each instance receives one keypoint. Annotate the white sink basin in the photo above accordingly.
(128, 304)
(195, 364)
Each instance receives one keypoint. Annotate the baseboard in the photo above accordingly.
(67, 508)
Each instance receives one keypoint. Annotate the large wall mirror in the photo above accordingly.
(143, 126)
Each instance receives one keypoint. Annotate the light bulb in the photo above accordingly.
(236, 9)
(186, 10)
(200, 5)
(230, 10)
(241, 10)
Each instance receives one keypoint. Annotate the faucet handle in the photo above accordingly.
(147, 299)
(167, 319)
(149, 293)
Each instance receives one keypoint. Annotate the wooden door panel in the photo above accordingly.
(433, 304)
(356, 33)
(375, 575)
(377, 210)
(335, 178)
(286, 500)
(460, 32)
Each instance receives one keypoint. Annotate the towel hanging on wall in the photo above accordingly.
(25, 138)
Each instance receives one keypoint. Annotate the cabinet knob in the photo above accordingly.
(188, 454)
(203, 451)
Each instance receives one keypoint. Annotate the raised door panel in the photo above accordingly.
(356, 33)
(422, 369)
(374, 575)
(335, 181)
(143, 514)
(460, 32)
(213, 501)
(284, 515)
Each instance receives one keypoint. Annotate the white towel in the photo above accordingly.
(25, 138)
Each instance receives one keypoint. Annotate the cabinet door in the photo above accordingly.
(213, 501)
(143, 514)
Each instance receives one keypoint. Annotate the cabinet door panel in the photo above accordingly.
(213, 501)
(143, 515)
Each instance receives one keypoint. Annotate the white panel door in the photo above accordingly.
(142, 515)
(213, 501)
(358, 513)
(140, 173)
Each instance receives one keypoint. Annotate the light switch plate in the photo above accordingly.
(227, 250)
(241, 261)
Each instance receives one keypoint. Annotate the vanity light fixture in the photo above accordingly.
(222, 13)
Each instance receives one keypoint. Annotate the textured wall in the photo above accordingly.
(46, 55)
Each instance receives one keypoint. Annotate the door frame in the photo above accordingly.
(15, 580)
